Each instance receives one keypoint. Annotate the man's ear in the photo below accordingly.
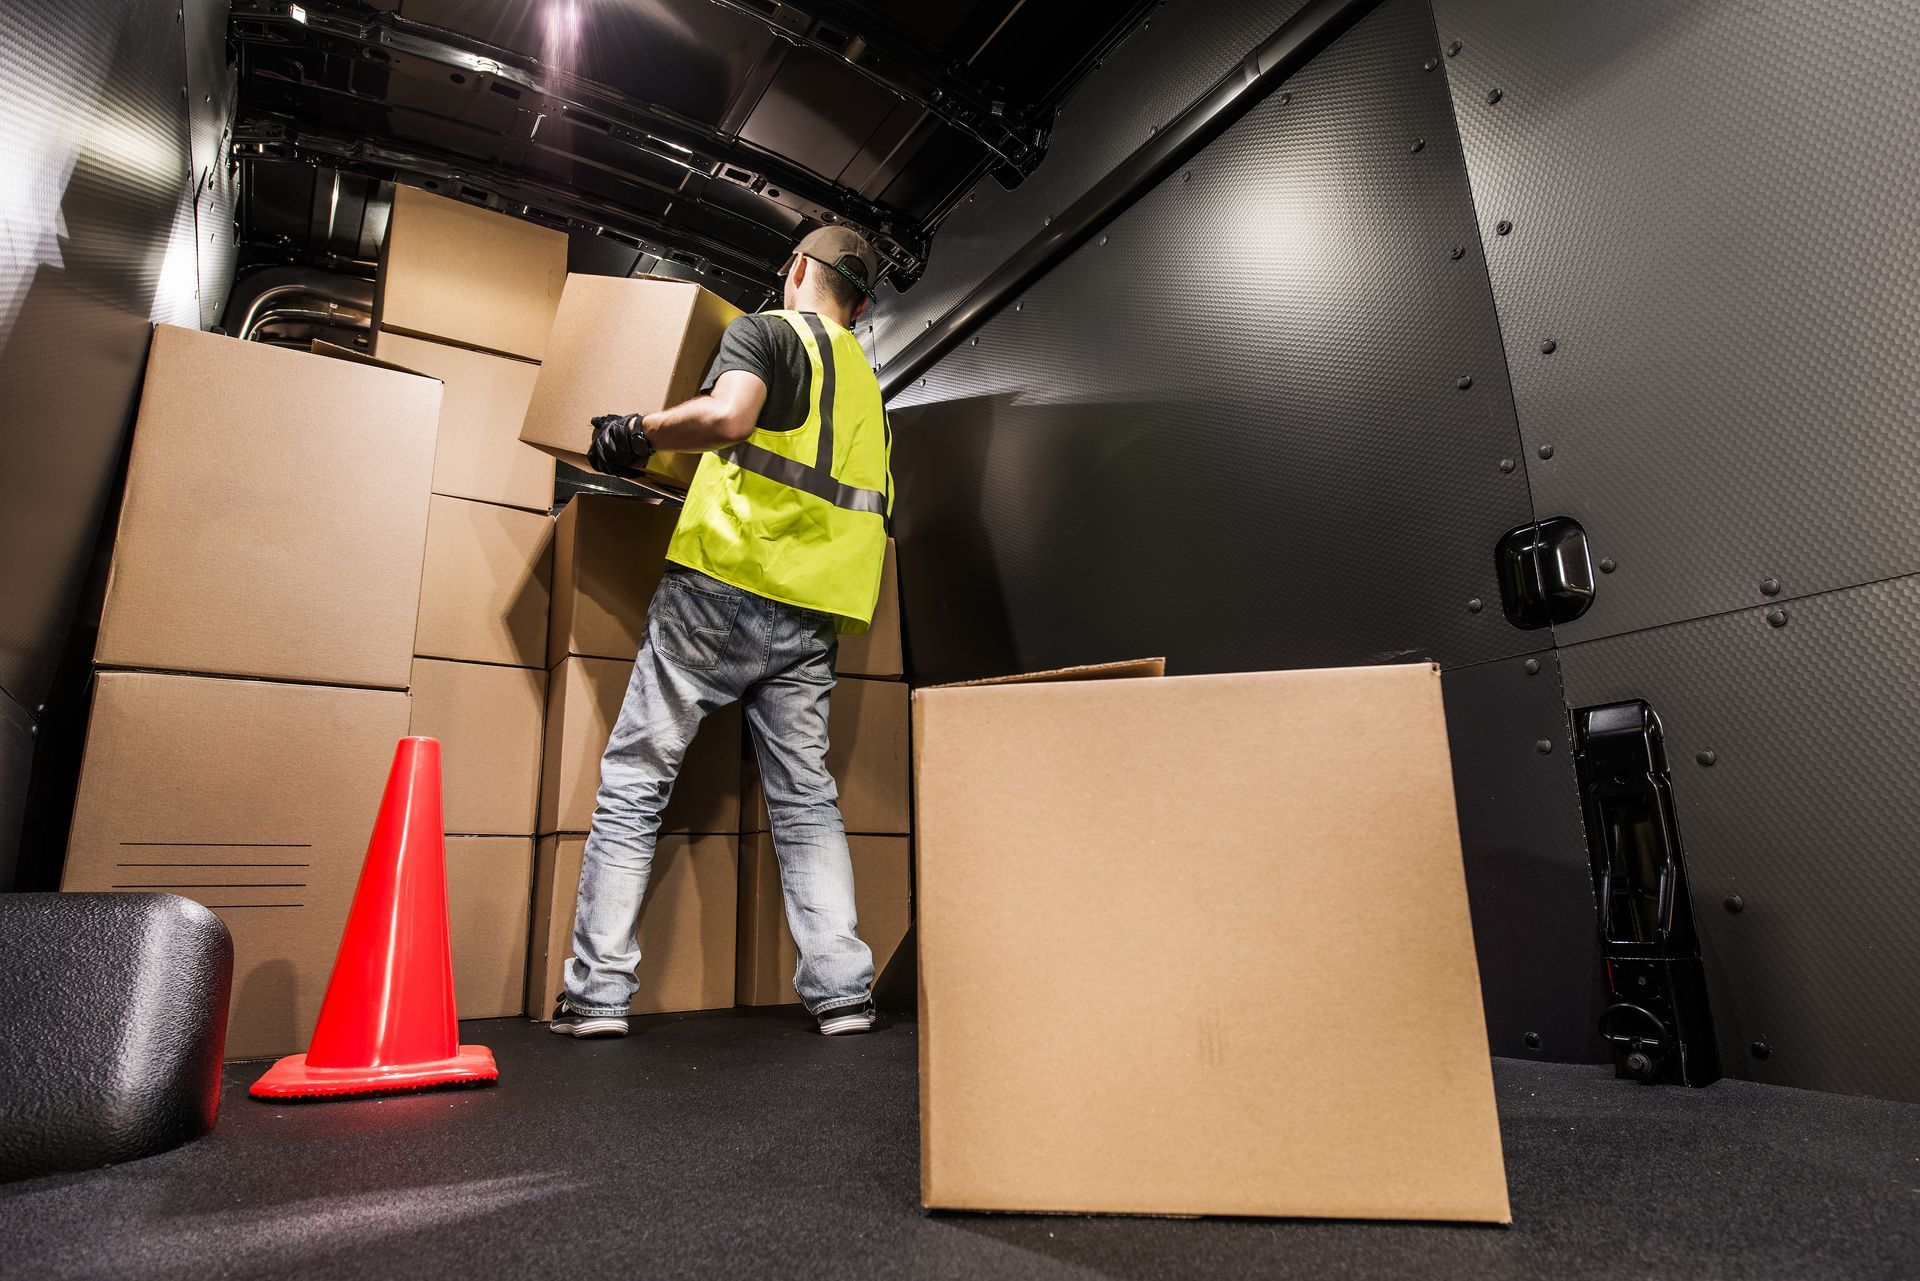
(860, 308)
(798, 275)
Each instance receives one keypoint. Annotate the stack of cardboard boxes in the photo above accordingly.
(321, 553)
(468, 297)
(255, 650)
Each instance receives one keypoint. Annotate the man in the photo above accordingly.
(777, 551)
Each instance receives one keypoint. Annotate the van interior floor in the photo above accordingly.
(741, 1144)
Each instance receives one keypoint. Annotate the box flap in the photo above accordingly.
(321, 347)
(1127, 668)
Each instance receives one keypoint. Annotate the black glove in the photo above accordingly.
(619, 447)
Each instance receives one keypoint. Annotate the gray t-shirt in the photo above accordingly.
(767, 348)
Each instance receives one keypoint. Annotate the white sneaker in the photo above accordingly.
(570, 1022)
(846, 1020)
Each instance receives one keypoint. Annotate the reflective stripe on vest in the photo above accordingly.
(816, 479)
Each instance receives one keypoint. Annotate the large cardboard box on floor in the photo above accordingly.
(254, 798)
(583, 701)
(686, 924)
(479, 454)
(883, 902)
(460, 274)
(275, 515)
(486, 584)
(489, 901)
(1199, 946)
(876, 652)
(490, 721)
(608, 556)
(868, 756)
(623, 346)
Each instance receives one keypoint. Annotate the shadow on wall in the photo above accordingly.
(954, 615)
(1037, 535)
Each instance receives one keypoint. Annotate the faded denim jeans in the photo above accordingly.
(708, 644)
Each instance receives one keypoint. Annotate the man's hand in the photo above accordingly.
(619, 447)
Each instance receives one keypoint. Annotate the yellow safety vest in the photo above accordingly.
(800, 516)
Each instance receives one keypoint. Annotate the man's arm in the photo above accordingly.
(724, 416)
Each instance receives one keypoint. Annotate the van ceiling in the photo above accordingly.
(700, 137)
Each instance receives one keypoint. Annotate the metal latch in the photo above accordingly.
(1546, 574)
(1656, 1018)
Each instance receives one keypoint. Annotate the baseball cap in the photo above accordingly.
(846, 251)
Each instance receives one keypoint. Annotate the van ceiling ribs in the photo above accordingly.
(663, 136)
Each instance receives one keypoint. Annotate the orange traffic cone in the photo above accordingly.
(388, 1019)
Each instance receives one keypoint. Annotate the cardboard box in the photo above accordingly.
(490, 721)
(479, 455)
(254, 798)
(583, 701)
(489, 901)
(460, 274)
(1238, 903)
(623, 346)
(883, 900)
(867, 754)
(486, 585)
(876, 652)
(686, 924)
(275, 515)
(608, 556)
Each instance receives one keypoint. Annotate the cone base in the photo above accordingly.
(293, 1078)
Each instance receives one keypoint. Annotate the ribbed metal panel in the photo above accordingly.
(1808, 813)
(1711, 212)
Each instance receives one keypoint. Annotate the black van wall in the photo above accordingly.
(111, 113)
(1260, 421)
(1688, 280)
(1712, 209)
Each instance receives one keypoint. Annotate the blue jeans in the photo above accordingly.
(708, 644)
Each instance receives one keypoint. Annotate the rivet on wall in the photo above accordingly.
(1531, 667)
(1430, 64)
(1419, 145)
(1760, 1049)
(1777, 617)
(1544, 747)
(1548, 347)
(1474, 606)
(1453, 50)
(1507, 465)
(1532, 1039)
(1735, 904)
(1706, 757)
(1771, 587)
(1456, 253)
(1546, 451)
(1463, 382)
(1502, 227)
(1608, 564)
(1494, 95)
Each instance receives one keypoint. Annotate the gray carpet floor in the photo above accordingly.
(738, 1144)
